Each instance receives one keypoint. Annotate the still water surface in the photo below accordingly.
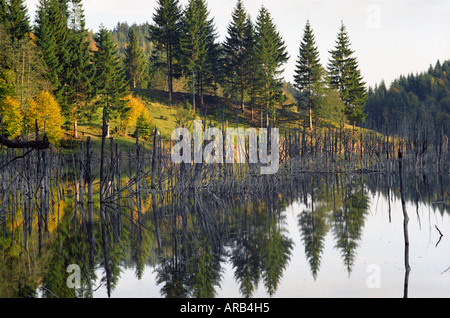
(348, 247)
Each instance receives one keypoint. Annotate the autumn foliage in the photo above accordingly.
(11, 116)
(45, 109)
(139, 117)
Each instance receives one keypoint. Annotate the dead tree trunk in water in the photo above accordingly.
(90, 204)
(405, 224)
(102, 203)
(153, 187)
(138, 188)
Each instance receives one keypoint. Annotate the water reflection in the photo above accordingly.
(340, 208)
(188, 242)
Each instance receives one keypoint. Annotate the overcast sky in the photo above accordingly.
(389, 37)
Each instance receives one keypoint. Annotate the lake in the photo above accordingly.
(348, 242)
(289, 235)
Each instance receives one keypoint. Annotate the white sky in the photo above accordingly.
(390, 37)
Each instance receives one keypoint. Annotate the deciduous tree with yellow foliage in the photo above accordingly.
(45, 109)
(11, 116)
(138, 117)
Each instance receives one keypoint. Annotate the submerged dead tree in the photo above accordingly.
(144, 193)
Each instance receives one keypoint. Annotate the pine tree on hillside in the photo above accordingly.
(80, 69)
(165, 32)
(47, 43)
(53, 36)
(209, 63)
(136, 68)
(199, 51)
(192, 44)
(19, 22)
(4, 13)
(307, 72)
(237, 51)
(191, 47)
(270, 54)
(59, 14)
(109, 77)
(251, 65)
(346, 78)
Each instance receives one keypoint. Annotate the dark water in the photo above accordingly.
(340, 235)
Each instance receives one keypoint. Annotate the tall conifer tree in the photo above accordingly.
(18, 20)
(59, 14)
(109, 76)
(251, 65)
(80, 69)
(165, 33)
(237, 51)
(135, 64)
(47, 42)
(208, 74)
(345, 76)
(3, 13)
(270, 54)
(53, 38)
(198, 48)
(307, 72)
(192, 44)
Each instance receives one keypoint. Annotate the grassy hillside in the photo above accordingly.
(217, 111)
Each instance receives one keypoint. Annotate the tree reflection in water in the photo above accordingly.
(188, 239)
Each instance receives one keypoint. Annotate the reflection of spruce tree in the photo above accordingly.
(171, 270)
(193, 268)
(276, 251)
(313, 229)
(245, 256)
(171, 276)
(111, 272)
(140, 252)
(260, 250)
(54, 282)
(349, 221)
(203, 267)
(69, 248)
(313, 224)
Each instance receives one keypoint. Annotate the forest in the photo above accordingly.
(87, 177)
(57, 72)
(410, 99)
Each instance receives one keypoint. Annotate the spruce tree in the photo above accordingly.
(59, 15)
(135, 63)
(80, 69)
(192, 44)
(270, 54)
(18, 20)
(109, 76)
(346, 78)
(251, 65)
(47, 43)
(236, 51)
(307, 72)
(165, 33)
(209, 63)
(4, 13)
(53, 36)
(199, 51)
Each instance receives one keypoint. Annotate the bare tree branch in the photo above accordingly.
(33, 144)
